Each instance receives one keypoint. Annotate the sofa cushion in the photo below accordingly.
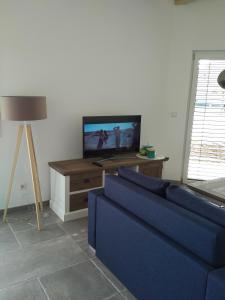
(216, 285)
(200, 236)
(153, 184)
(196, 204)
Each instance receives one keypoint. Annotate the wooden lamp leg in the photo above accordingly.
(36, 171)
(9, 191)
(33, 171)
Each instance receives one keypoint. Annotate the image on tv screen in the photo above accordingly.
(110, 136)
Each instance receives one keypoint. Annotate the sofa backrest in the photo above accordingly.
(196, 204)
(152, 184)
(195, 233)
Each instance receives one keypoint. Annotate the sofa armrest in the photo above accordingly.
(216, 285)
(92, 205)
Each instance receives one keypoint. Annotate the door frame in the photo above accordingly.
(197, 55)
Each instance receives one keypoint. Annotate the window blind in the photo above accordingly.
(207, 149)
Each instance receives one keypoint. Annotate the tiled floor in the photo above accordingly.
(54, 264)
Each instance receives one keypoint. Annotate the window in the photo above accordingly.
(205, 148)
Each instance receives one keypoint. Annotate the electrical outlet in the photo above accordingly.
(173, 114)
(23, 186)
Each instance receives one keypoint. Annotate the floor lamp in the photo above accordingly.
(25, 109)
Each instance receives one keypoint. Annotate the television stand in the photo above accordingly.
(71, 180)
(99, 162)
(103, 159)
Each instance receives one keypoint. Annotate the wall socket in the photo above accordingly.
(173, 114)
(23, 186)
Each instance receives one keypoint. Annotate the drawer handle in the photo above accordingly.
(87, 180)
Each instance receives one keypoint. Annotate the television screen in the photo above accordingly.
(111, 135)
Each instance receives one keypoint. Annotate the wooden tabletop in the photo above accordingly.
(77, 166)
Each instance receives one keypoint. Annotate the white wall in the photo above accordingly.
(101, 57)
(196, 26)
(88, 57)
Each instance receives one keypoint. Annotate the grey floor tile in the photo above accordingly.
(26, 219)
(3, 227)
(38, 260)
(116, 297)
(80, 237)
(8, 241)
(85, 247)
(21, 220)
(29, 290)
(128, 296)
(76, 228)
(49, 217)
(111, 277)
(80, 282)
(33, 236)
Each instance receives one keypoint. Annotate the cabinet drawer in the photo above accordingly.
(113, 171)
(152, 169)
(79, 201)
(85, 181)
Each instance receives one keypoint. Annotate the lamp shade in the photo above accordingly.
(24, 108)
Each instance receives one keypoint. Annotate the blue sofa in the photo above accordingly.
(162, 241)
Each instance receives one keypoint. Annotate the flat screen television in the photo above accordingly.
(107, 136)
